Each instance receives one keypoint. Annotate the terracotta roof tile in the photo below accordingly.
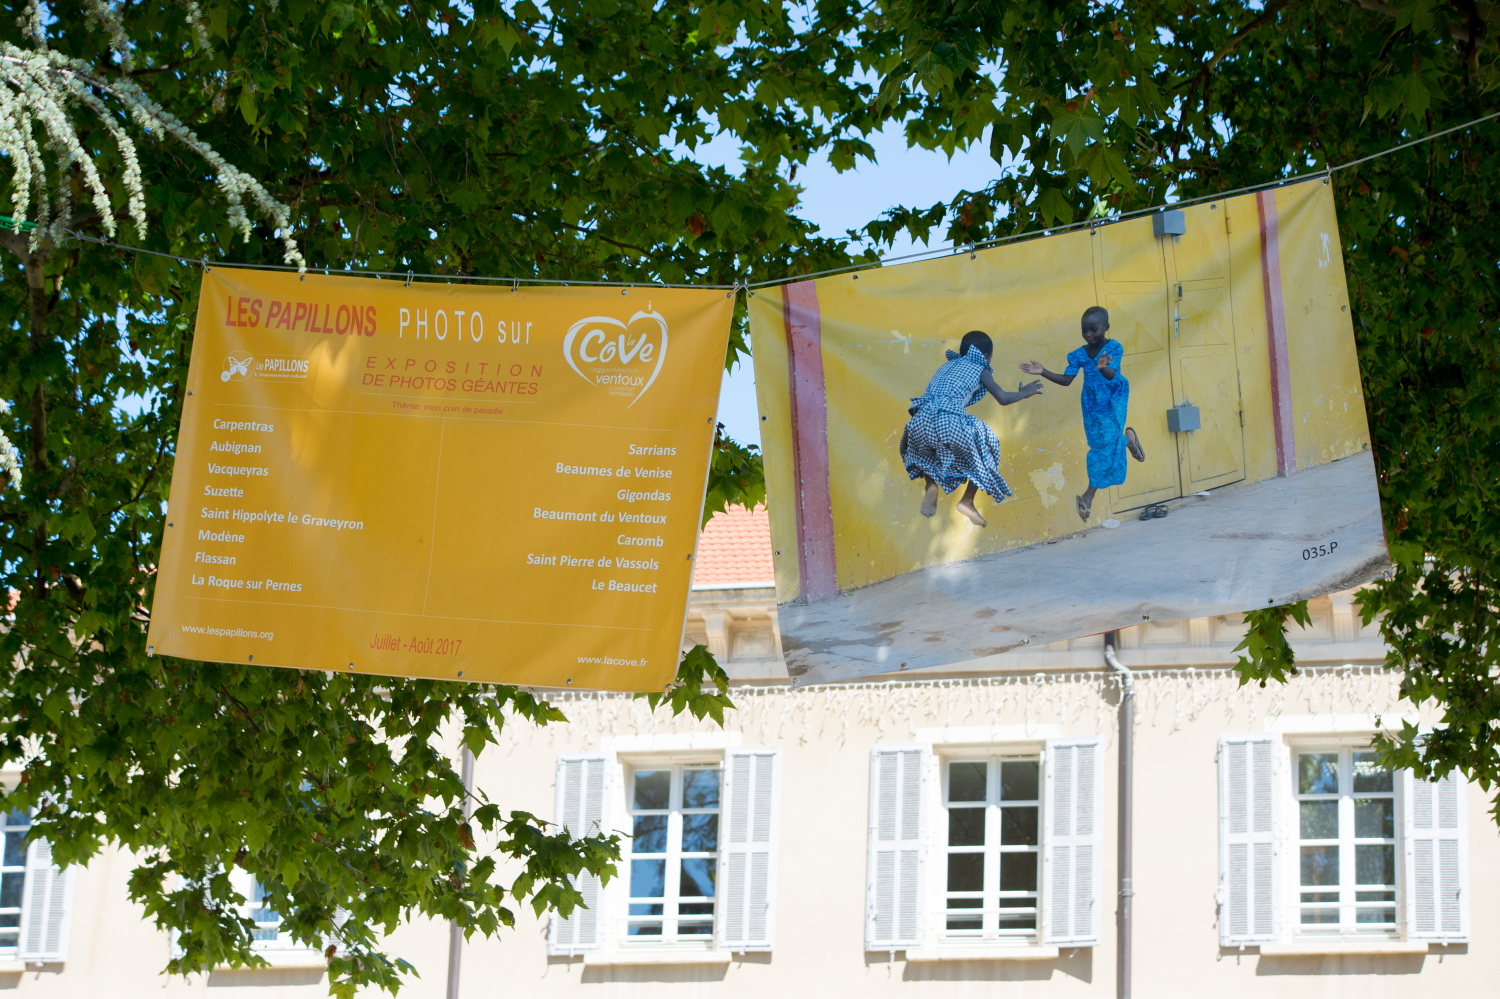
(735, 549)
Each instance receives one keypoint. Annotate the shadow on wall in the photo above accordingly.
(1339, 964)
(656, 973)
(12, 979)
(237, 978)
(1076, 962)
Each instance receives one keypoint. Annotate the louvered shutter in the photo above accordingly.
(44, 908)
(893, 883)
(1071, 843)
(747, 844)
(1247, 840)
(1436, 858)
(580, 809)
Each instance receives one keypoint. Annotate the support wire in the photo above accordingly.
(736, 286)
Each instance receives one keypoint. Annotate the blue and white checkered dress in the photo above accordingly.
(943, 442)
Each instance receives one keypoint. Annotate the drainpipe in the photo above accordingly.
(1126, 801)
(455, 934)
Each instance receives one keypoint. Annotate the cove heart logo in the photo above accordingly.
(623, 358)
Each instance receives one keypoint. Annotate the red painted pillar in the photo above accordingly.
(804, 335)
(1281, 372)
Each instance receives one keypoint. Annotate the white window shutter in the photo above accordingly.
(44, 908)
(1248, 893)
(1436, 858)
(893, 883)
(1072, 844)
(747, 848)
(580, 810)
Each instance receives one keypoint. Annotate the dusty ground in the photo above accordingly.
(1243, 546)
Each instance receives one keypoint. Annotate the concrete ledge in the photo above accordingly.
(1051, 589)
(656, 956)
(997, 952)
(290, 957)
(1342, 945)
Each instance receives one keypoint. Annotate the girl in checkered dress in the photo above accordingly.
(943, 445)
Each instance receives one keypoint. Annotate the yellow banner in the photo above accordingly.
(446, 481)
(1107, 429)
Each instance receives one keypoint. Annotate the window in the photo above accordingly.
(267, 937)
(12, 879)
(1319, 846)
(1346, 830)
(983, 852)
(35, 895)
(992, 807)
(267, 920)
(699, 869)
(674, 853)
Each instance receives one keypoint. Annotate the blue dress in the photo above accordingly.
(946, 444)
(1105, 402)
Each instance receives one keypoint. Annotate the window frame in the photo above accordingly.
(282, 950)
(1347, 927)
(671, 916)
(934, 908)
(11, 952)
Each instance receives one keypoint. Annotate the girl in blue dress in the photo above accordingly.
(943, 445)
(1106, 399)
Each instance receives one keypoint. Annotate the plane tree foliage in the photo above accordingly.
(533, 141)
(1093, 109)
(561, 141)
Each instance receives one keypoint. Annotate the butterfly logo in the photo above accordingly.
(236, 367)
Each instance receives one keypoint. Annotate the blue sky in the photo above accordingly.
(839, 202)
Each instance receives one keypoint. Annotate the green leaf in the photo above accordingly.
(247, 107)
(686, 692)
(1052, 206)
(1268, 652)
(1406, 553)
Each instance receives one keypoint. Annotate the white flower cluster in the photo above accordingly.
(10, 458)
(41, 90)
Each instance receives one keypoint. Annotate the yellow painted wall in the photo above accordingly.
(884, 335)
(768, 345)
(1327, 398)
(1252, 348)
(885, 332)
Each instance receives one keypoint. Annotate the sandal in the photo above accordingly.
(1083, 509)
(1153, 512)
(1133, 444)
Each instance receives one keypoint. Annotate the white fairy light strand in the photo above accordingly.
(10, 458)
(751, 286)
(1081, 701)
(110, 20)
(42, 88)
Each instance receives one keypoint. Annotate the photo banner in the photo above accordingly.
(441, 480)
(1143, 421)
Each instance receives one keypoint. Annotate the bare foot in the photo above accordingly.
(967, 509)
(1084, 509)
(929, 501)
(1133, 444)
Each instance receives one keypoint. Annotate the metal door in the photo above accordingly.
(1204, 369)
(1131, 282)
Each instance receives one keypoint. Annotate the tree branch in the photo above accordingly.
(1272, 9)
(1487, 13)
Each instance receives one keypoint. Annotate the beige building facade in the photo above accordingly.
(932, 835)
